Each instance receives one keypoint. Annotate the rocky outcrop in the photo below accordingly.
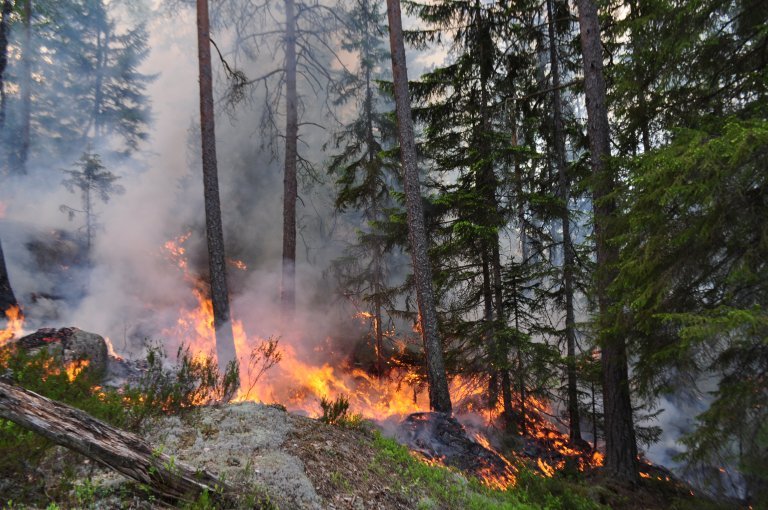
(71, 344)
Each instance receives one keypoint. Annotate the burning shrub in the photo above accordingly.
(194, 381)
(262, 357)
(334, 412)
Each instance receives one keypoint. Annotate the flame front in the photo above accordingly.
(299, 384)
(15, 325)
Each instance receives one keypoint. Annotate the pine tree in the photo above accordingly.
(5, 15)
(225, 343)
(460, 110)
(439, 397)
(303, 47)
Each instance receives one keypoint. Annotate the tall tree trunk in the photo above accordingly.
(225, 343)
(574, 425)
(290, 185)
(5, 15)
(26, 92)
(620, 444)
(7, 298)
(439, 397)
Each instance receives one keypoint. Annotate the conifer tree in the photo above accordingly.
(93, 181)
(225, 343)
(439, 397)
(620, 443)
(87, 87)
(364, 175)
(300, 56)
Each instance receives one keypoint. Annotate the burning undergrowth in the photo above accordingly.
(279, 370)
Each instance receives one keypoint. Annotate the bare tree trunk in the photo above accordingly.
(122, 451)
(290, 185)
(439, 397)
(574, 425)
(620, 444)
(225, 343)
(26, 91)
(7, 298)
(5, 15)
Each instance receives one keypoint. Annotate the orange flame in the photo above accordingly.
(74, 368)
(548, 470)
(15, 325)
(238, 264)
(299, 384)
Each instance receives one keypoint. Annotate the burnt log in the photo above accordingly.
(117, 449)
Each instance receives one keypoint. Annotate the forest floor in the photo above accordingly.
(301, 463)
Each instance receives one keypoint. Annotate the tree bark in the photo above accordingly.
(574, 425)
(122, 451)
(439, 397)
(620, 444)
(26, 92)
(225, 344)
(5, 14)
(7, 298)
(290, 185)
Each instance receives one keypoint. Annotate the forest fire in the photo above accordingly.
(301, 385)
(14, 326)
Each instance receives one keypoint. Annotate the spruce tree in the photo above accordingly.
(620, 443)
(364, 175)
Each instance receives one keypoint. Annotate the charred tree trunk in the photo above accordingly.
(290, 184)
(574, 425)
(439, 397)
(7, 298)
(620, 444)
(122, 451)
(225, 343)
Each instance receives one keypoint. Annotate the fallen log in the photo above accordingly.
(122, 451)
